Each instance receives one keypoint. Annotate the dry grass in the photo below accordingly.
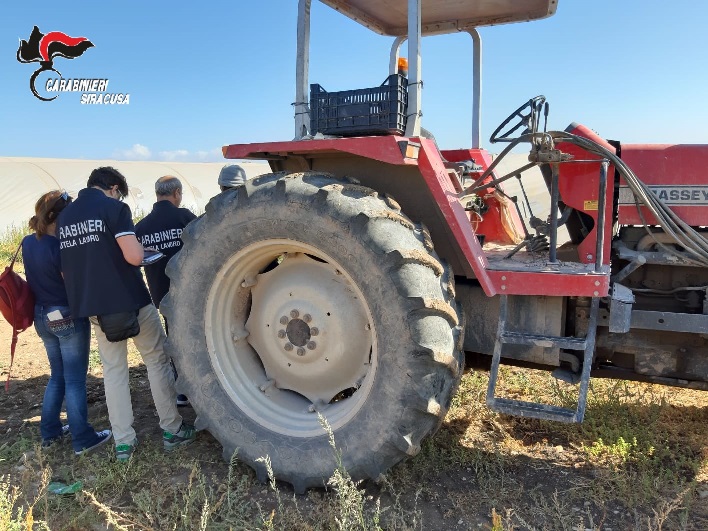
(639, 462)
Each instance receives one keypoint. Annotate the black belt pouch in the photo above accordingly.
(119, 326)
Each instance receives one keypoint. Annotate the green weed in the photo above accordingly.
(9, 241)
(16, 515)
(352, 513)
(94, 360)
(12, 449)
(619, 452)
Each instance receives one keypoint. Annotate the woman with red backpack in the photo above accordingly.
(65, 339)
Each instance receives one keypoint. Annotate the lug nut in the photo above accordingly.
(267, 385)
(281, 334)
(311, 345)
(239, 335)
(307, 318)
(288, 347)
(314, 331)
(300, 351)
(284, 320)
(249, 281)
(294, 314)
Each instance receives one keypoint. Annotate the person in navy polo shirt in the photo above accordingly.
(100, 258)
(161, 229)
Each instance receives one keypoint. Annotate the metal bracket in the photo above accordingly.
(547, 156)
(621, 309)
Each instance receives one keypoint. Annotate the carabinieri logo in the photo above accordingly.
(43, 49)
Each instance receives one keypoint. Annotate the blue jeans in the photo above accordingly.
(67, 344)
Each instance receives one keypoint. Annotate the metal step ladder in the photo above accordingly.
(533, 409)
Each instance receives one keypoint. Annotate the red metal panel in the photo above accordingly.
(677, 174)
(551, 284)
(435, 175)
(381, 148)
(579, 188)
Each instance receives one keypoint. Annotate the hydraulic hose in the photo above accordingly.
(682, 233)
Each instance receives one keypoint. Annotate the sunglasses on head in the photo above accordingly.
(58, 205)
(63, 196)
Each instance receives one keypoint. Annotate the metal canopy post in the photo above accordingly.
(395, 49)
(414, 64)
(302, 68)
(476, 88)
(476, 80)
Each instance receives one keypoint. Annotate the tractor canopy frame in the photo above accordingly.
(411, 20)
(384, 163)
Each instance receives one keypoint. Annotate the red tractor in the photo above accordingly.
(353, 280)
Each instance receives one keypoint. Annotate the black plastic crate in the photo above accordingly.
(378, 110)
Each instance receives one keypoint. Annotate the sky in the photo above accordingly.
(201, 75)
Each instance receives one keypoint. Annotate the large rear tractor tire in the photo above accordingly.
(297, 294)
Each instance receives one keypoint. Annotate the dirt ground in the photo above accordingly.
(535, 478)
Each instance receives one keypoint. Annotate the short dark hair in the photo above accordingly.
(106, 177)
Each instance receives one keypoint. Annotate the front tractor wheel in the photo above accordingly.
(301, 294)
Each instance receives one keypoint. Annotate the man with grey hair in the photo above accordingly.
(231, 176)
(162, 229)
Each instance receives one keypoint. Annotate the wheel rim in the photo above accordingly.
(289, 334)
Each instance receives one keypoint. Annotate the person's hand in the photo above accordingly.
(131, 248)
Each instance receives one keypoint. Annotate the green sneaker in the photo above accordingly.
(183, 437)
(124, 451)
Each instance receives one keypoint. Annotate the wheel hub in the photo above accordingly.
(309, 329)
(298, 332)
(274, 382)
